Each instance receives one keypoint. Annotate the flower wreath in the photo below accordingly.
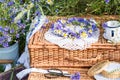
(73, 33)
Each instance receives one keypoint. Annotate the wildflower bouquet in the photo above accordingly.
(16, 17)
(9, 31)
(73, 33)
(74, 28)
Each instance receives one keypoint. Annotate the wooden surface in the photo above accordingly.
(6, 61)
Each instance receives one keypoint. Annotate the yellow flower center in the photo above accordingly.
(65, 35)
(48, 0)
(84, 35)
(59, 31)
(90, 31)
(63, 21)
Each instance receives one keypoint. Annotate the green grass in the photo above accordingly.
(1, 68)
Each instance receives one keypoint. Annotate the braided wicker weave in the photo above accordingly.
(98, 68)
(45, 54)
(114, 74)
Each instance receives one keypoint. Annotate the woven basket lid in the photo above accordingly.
(98, 68)
(112, 71)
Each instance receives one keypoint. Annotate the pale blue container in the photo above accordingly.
(10, 53)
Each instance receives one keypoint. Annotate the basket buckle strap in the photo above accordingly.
(98, 57)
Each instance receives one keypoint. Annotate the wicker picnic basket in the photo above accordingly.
(44, 54)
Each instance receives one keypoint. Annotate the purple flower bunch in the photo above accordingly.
(10, 34)
(9, 31)
(16, 18)
(75, 76)
(107, 1)
(74, 28)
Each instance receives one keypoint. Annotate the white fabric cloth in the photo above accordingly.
(37, 23)
(23, 73)
(72, 44)
(24, 59)
(7, 67)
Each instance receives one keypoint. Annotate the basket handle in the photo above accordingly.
(90, 59)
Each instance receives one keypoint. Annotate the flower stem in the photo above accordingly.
(41, 10)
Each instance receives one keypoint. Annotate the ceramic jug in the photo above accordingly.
(112, 31)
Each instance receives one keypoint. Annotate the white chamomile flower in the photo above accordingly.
(50, 2)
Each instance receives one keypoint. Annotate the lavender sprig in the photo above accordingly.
(75, 76)
(107, 1)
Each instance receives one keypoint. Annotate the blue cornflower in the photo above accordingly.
(17, 35)
(60, 24)
(107, 1)
(69, 31)
(5, 37)
(23, 31)
(38, 13)
(0, 26)
(10, 3)
(104, 25)
(94, 27)
(72, 35)
(5, 33)
(1, 39)
(75, 76)
(1, 43)
(5, 44)
(21, 25)
(1, 29)
(81, 20)
(36, 24)
(70, 20)
(13, 16)
(78, 36)
(86, 22)
(12, 31)
(6, 29)
(19, 22)
(52, 26)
